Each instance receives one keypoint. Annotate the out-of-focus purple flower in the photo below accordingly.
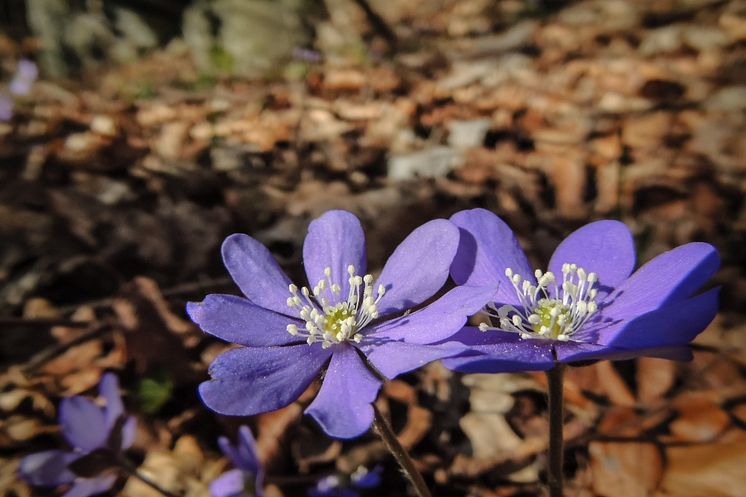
(306, 55)
(26, 74)
(338, 486)
(587, 306)
(247, 480)
(6, 108)
(89, 429)
(345, 319)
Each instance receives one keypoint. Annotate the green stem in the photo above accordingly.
(556, 448)
(400, 454)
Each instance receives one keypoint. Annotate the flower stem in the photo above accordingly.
(127, 467)
(400, 454)
(556, 447)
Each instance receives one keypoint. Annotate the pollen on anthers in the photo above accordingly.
(331, 323)
(556, 315)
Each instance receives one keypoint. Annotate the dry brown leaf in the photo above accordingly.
(711, 470)
(654, 378)
(625, 469)
(700, 417)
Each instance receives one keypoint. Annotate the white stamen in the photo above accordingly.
(558, 315)
(341, 322)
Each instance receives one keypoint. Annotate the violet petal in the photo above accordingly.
(673, 275)
(248, 381)
(83, 423)
(418, 267)
(394, 357)
(91, 486)
(237, 320)
(488, 247)
(334, 240)
(109, 390)
(256, 272)
(603, 247)
(499, 351)
(343, 404)
(230, 484)
(437, 321)
(48, 468)
(672, 325)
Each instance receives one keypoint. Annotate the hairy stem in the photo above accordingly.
(127, 467)
(400, 454)
(556, 444)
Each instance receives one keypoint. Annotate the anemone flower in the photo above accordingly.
(247, 479)
(355, 328)
(88, 428)
(588, 305)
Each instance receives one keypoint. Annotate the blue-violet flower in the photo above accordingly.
(588, 305)
(345, 318)
(88, 428)
(247, 480)
(340, 486)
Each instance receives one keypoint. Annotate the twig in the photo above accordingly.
(49, 353)
(127, 467)
(400, 454)
(378, 23)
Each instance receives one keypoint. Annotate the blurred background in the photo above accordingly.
(135, 135)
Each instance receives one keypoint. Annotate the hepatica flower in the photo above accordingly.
(341, 486)
(247, 479)
(587, 305)
(344, 322)
(89, 429)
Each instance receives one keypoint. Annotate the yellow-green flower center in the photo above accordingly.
(543, 314)
(334, 323)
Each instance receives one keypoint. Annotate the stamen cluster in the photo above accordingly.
(542, 316)
(334, 323)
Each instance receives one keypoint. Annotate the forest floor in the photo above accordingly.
(116, 192)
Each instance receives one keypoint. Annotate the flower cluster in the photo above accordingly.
(96, 436)
(360, 330)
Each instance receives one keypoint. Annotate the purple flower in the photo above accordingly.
(6, 108)
(336, 486)
(90, 430)
(345, 321)
(26, 74)
(247, 479)
(588, 305)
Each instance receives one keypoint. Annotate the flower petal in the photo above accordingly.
(109, 390)
(673, 275)
(244, 454)
(499, 352)
(604, 247)
(418, 267)
(673, 325)
(229, 484)
(256, 272)
(437, 321)
(334, 240)
(248, 381)
(91, 486)
(237, 320)
(129, 430)
(343, 404)
(487, 247)
(83, 423)
(48, 468)
(569, 352)
(394, 357)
